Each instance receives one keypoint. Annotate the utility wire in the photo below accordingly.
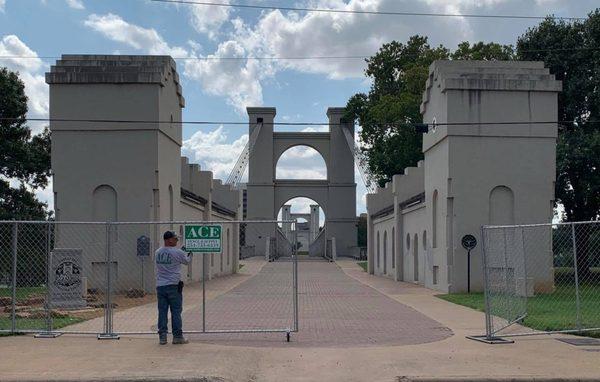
(283, 58)
(237, 123)
(361, 12)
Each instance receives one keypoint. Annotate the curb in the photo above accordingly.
(494, 379)
(127, 379)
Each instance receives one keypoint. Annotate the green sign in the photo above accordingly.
(203, 238)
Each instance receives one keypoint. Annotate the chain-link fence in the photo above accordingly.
(99, 278)
(541, 279)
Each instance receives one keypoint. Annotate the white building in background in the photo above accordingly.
(123, 171)
(475, 172)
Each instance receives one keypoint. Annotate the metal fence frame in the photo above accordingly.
(108, 331)
(492, 334)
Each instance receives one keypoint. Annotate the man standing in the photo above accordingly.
(169, 288)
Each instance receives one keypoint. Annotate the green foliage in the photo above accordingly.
(363, 264)
(386, 114)
(23, 158)
(551, 311)
(570, 50)
(482, 51)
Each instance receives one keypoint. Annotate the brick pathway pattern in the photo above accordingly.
(335, 310)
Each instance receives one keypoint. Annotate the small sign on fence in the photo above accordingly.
(203, 238)
(66, 284)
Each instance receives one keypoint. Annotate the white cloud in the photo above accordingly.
(31, 71)
(115, 28)
(2, 5)
(293, 34)
(208, 20)
(237, 80)
(212, 151)
(75, 4)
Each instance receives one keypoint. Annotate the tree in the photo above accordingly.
(387, 114)
(570, 51)
(23, 158)
(482, 51)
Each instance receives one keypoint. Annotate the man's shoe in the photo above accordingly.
(180, 341)
(162, 340)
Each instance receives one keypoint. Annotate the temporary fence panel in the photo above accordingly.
(99, 278)
(542, 278)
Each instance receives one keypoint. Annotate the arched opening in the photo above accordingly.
(104, 209)
(378, 251)
(394, 248)
(502, 206)
(310, 225)
(384, 252)
(104, 204)
(416, 256)
(301, 162)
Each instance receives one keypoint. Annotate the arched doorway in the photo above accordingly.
(385, 252)
(310, 226)
(416, 257)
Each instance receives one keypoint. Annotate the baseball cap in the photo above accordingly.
(170, 235)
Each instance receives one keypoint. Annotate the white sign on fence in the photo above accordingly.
(203, 238)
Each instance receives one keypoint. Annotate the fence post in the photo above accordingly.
(14, 277)
(48, 304)
(573, 238)
(204, 273)
(486, 297)
(108, 324)
(506, 273)
(526, 274)
(48, 267)
(295, 270)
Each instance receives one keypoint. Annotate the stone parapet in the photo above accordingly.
(115, 69)
(490, 76)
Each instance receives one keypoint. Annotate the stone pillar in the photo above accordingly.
(314, 222)
(286, 227)
(486, 163)
(115, 171)
(341, 209)
(261, 189)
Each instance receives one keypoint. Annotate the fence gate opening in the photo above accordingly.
(98, 278)
(541, 279)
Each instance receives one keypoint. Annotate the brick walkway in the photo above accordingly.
(335, 310)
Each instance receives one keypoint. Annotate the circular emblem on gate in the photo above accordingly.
(469, 242)
(67, 275)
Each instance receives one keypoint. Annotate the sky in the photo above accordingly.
(220, 90)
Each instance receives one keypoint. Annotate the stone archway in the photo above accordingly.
(336, 195)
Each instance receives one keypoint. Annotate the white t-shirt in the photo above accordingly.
(168, 262)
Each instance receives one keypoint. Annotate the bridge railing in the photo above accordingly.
(317, 247)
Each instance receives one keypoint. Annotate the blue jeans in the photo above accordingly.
(169, 297)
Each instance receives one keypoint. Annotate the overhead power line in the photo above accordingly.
(291, 58)
(361, 12)
(418, 126)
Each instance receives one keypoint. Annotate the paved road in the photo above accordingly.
(335, 310)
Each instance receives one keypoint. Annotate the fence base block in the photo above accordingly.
(108, 336)
(490, 340)
(47, 335)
